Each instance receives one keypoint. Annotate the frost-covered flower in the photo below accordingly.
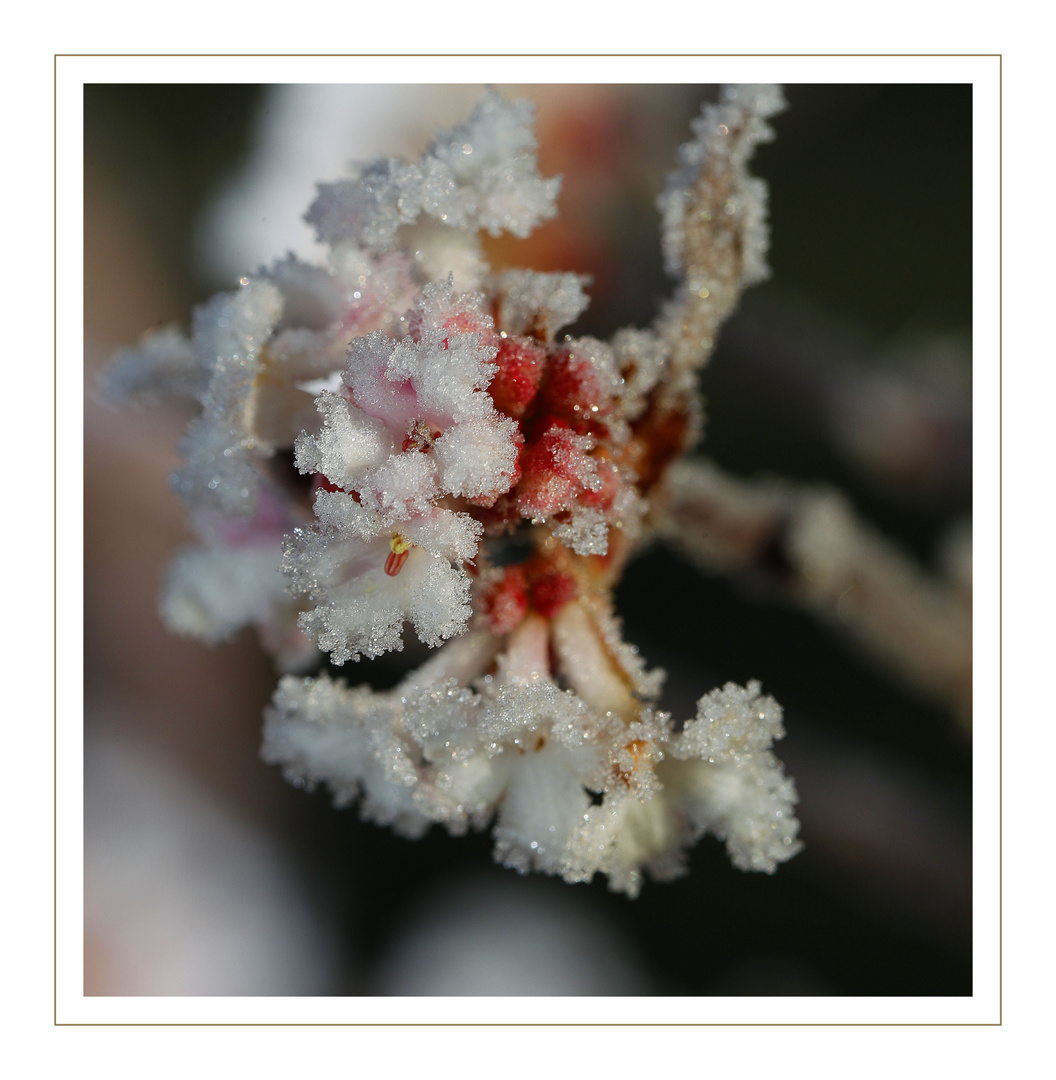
(471, 475)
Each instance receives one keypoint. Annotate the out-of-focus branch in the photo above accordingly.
(806, 542)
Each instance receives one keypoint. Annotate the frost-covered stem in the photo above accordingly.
(807, 542)
(587, 666)
(715, 229)
(527, 656)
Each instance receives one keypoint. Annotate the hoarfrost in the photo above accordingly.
(535, 759)
(481, 175)
(448, 430)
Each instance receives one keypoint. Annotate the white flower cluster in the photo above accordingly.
(481, 175)
(467, 473)
(413, 428)
(574, 790)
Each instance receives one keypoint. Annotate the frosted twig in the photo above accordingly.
(716, 234)
(807, 542)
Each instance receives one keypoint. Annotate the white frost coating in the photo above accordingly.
(313, 296)
(628, 510)
(364, 613)
(735, 787)
(534, 302)
(418, 428)
(440, 252)
(536, 760)
(586, 532)
(319, 730)
(640, 356)
(348, 447)
(447, 358)
(726, 135)
(478, 458)
(323, 307)
(492, 159)
(558, 752)
(444, 410)
(646, 684)
(481, 175)
(603, 365)
(359, 608)
(586, 663)
(220, 447)
(211, 593)
(164, 365)
(403, 485)
(232, 580)
(733, 723)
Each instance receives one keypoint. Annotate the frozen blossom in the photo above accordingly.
(736, 786)
(220, 446)
(574, 790)
(481, 175)
(413, 426)
(402, 441)
(167, 365)
(365, 579)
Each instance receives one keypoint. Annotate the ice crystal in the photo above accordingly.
(470, 476)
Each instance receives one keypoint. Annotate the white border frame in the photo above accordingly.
(983, 1007)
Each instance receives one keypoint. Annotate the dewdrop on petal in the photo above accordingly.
(473, 480)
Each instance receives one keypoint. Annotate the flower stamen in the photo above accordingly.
(400, 549)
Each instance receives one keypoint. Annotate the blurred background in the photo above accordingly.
(205, 873)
